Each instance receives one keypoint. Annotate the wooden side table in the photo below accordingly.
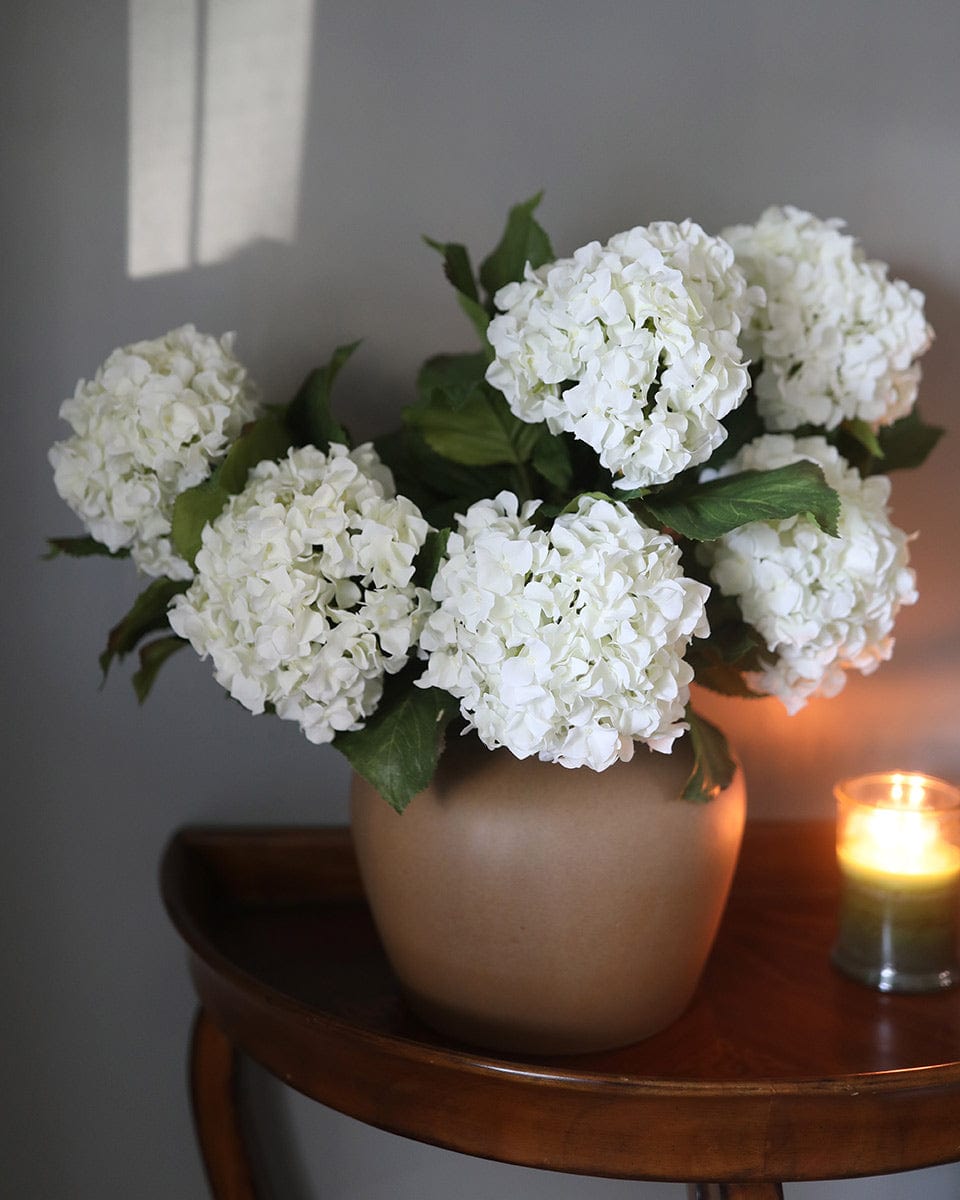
(780, 1070)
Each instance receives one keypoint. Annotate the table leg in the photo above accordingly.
(754, 1190)
(216, 1118)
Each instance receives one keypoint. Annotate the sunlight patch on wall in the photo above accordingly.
(217, 119)
(162, 102)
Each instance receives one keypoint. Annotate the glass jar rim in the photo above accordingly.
(876, 791)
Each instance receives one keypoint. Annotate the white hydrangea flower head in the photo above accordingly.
(631, 347)
(838, 340)
(822, 605)
(565, 642)
(148, 426)
(304, 595)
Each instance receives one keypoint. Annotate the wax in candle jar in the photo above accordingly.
(887, 843)
(900, 904)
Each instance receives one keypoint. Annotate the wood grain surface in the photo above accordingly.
(781, 1069)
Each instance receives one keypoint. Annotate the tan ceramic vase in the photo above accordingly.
(529, 908)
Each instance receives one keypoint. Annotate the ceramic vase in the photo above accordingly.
(529, 908)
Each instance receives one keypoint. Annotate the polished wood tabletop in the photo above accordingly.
(781, 1069)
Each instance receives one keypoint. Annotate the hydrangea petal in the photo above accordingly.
(574, 646)
(308, 624)
(822, 605)
(148, 426)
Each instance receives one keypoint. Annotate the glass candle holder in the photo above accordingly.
(898, 846)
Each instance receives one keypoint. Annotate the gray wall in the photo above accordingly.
(279, 188)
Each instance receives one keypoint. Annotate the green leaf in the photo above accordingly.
(628, 494)
(743, 425)
(735, 643)
(731, 639)
(719, 663)
(713, 765)
(148, 613)
(453, 379)
(863, 433)
(309, 417)
(197, 506)
(725, 679)
(430, 480)
(152, 657)
(523, 242)
(574, 503)
(266, 438)
(482, 432)
(479, 318)
(707, 511)
(457, 267)
(81, 547)
(551, 458)
(431, 555)
(907, 442)
(398, 748)
(192, 510)
(732, 648)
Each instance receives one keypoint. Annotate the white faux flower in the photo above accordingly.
(304, 592)
(146, 428)
(822, 605)
(631, 347)
(837, 338)
(565, 642)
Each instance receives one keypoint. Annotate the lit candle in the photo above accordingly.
(897, 846)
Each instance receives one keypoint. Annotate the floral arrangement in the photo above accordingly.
(667, 462)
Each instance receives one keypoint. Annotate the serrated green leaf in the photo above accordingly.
(398, 748)
(197, 506)
(523, 241)
(457, 266)
(713, 765)
(148, 613)
(482, 432)
(152, 657)
(81, 547)
(431, 555)
(309, 417)
(706, 511)
(459, 271)
(907, 442)
(453, 379)
(864, 433)
(551, 458)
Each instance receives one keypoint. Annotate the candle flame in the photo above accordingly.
(908, 791)
(900, 837)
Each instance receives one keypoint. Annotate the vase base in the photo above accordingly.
(486, 1033)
